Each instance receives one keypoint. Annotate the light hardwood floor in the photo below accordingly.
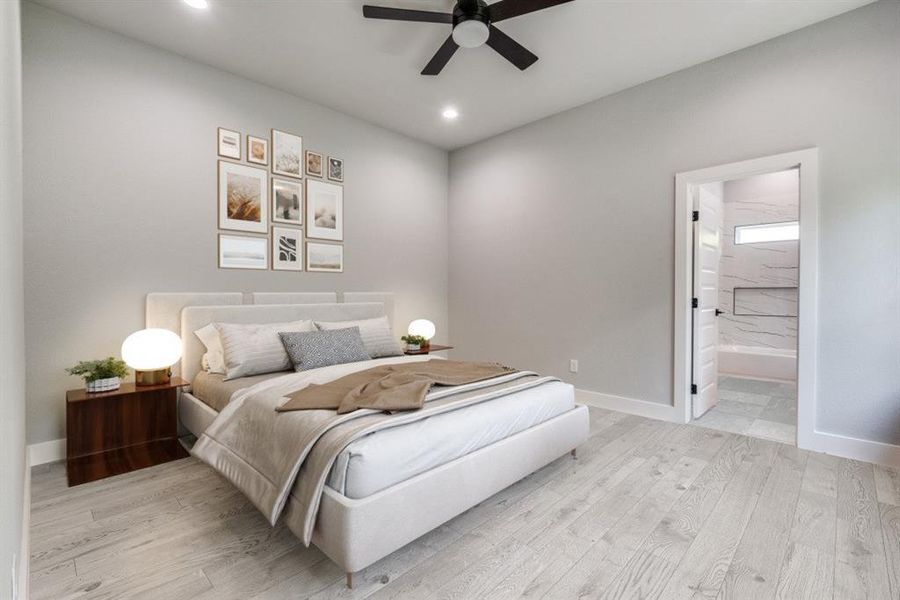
(647, 510)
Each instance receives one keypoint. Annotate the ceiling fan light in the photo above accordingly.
(470, 34)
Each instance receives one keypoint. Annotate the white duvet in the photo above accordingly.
(390, 456)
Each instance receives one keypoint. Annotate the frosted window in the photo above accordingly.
(767, 232)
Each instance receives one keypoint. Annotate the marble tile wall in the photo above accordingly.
(770, 198)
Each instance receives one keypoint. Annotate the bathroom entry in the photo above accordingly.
(745, 305)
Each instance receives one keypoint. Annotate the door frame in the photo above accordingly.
(807, 161)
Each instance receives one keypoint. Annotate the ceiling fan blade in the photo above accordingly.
(441, 57)
(507, 9)
(510, 49)
(403, 14)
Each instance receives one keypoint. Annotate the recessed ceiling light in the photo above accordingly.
(450, 113)
(197, 3)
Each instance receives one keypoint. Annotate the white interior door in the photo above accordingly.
(707, 252)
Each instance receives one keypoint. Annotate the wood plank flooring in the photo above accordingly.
(647, 510)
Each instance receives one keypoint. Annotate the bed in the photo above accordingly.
(389, 487)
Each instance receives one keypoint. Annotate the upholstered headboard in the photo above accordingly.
(184, 313)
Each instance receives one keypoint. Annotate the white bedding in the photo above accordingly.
(387, 457)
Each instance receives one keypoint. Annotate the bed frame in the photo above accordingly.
(356, 533)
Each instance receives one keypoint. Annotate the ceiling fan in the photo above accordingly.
(473, 25)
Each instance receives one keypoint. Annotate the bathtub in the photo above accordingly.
(756, 361)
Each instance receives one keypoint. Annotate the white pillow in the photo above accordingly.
(256, 349)
(214, 359)
(376, 335)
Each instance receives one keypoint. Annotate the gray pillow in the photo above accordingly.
(314, 349)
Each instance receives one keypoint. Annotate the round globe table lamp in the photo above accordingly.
(423, 328)
(151, 353)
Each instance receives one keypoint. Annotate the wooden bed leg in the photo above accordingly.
(574, 452)
(350, 580)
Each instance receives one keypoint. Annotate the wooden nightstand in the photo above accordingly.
(109, 433)
(432, 348)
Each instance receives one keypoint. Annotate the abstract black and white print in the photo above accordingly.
(335, 169)
(286, 253)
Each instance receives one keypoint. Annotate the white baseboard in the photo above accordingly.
(827, 443)
(25, 547)
(642, 408)
(45, 452)
(855, 448)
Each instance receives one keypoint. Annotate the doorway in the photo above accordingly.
(745, 297)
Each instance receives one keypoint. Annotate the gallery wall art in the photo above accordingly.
(287, 154)
(257, 150)
(287, 246)
(243, 198)
(287, 202)
(335, 169)
(324, 210)
(229, 144)
(324, 258)
(315, 164)
(243, 252)
(271, 212)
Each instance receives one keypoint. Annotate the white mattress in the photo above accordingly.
(390, 456)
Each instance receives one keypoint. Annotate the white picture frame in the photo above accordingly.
(243, 198)
(335, 169)
(324, 258)
(287, 249)
(257, 150)
(324, 210)
(287, 202)
(229, 143)
(243, 252)
(287, 154)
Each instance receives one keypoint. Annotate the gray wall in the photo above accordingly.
(120, 193)
(13, 579)
(562, 231)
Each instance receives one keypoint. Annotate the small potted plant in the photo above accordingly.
(415, 343)
(102, 375)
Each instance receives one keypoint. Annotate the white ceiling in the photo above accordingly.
(324, 50)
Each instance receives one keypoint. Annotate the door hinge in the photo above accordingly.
(693, 389)
(695, 303)
(695, 216)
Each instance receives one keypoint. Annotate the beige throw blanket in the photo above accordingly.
(390, 387)
(261, 451)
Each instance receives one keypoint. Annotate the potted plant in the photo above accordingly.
(415, 343)
(102, 375)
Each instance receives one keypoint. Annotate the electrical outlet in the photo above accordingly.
(573, 365)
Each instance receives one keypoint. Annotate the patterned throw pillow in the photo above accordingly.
(376, 335)
(314, 349)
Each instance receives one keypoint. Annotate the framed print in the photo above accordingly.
(287, 154)
(229, 144)
(257, 150)
(287, 253)
(243, 198)
(324, 210)
(315, 164)
(287, 202)
(324, 258)
(335, 169)
(243, 252)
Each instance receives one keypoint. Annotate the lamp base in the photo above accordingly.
(155, 377)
